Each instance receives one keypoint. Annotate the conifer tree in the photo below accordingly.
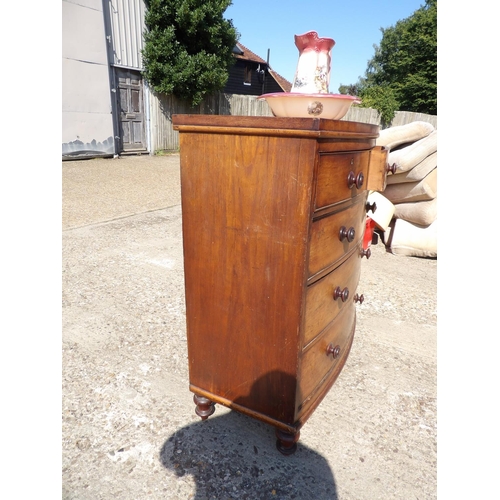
(188, 47)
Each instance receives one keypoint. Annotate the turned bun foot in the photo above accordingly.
(287, 442)
(204, 407)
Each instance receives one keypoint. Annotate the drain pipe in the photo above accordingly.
(112, 78)
(264, 79)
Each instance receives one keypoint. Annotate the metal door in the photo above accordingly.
(131, 110)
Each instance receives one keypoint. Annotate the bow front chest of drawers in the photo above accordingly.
(273, 215)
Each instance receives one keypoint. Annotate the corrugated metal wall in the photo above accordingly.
(87, 125)
(127, 24)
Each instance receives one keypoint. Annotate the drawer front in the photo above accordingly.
(340, 176)
(334, 236)
(331, 294)
(326, 353)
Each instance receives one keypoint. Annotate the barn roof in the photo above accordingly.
(245, 54)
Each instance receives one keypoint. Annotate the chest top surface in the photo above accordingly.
(298, 127)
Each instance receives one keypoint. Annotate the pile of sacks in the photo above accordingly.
(408, 204)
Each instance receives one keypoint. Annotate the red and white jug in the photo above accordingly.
(313, 69)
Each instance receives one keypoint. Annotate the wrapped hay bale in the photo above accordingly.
(403, 134)
(412, 190)
(410, 156)
(405, 192)
(405, 238)
(417, 173)
(422, 213)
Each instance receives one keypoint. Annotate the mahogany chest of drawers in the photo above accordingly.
(273, 215)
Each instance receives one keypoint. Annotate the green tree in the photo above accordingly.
(403, 71)
(383, 99)
(352, 89)
(188, 47)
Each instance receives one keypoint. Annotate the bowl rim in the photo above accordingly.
(310, 96)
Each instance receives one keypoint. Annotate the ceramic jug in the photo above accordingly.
(313, 69)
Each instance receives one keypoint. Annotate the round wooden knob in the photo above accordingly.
(348, 234)
(355, 180)
(341, 294)
(333, 350)
(359, 298)
(351, 179)
(371, 206)
(391, 168)
(360, 178)
(366, 253)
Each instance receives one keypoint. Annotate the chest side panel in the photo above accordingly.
(246, 204)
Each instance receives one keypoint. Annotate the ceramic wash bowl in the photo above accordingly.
(298, 105)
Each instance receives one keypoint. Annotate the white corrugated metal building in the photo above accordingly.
(105, 108)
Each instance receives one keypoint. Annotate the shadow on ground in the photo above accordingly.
(235, 456)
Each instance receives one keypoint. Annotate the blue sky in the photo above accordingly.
(355, 27)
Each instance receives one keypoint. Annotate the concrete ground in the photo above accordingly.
(129, 426)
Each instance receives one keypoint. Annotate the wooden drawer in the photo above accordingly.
(321, 306)
(328, 244)
(317, 362)
(334, 173)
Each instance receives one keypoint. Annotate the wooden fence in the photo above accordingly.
(162, 107)
(404, 117)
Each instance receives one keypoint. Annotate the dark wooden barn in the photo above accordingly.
(251, 75)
